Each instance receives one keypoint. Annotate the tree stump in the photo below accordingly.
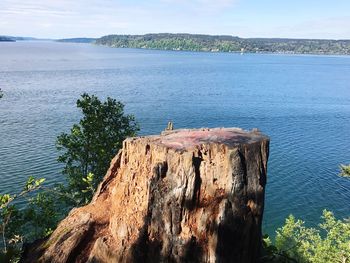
(182, 196)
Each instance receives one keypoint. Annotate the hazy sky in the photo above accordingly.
(245, 18)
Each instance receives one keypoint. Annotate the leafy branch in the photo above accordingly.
(7, 209)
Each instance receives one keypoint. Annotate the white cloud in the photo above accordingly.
(332, 27)
(63, 18)
(202, 5)
(327, 28)
(66, 18)
(73, 18)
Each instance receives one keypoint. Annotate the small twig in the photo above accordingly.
(3, 237)
(60, 193)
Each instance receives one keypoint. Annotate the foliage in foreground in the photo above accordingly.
(91, 144)
(30, 215)
(35, 219)
(345, 170)
(329, 242)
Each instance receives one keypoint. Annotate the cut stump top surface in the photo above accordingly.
(183, 139)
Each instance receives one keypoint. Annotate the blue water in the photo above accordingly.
(301, 102)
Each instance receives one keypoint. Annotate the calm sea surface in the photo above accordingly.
(301, 102)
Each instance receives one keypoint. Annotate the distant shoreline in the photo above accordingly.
(208, 43)
(222, 52)
(211, 44)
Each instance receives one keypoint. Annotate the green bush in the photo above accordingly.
(345, 170)
(329, 242)
(91, 144)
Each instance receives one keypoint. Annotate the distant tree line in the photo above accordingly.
(193, 42)
(6, 39)
(77, 40)
(14, 39)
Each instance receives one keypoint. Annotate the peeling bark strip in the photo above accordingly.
(183, 196)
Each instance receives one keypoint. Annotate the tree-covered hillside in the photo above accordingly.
(191, 42)
(77, 40)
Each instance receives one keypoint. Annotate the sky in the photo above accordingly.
(243, 18)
